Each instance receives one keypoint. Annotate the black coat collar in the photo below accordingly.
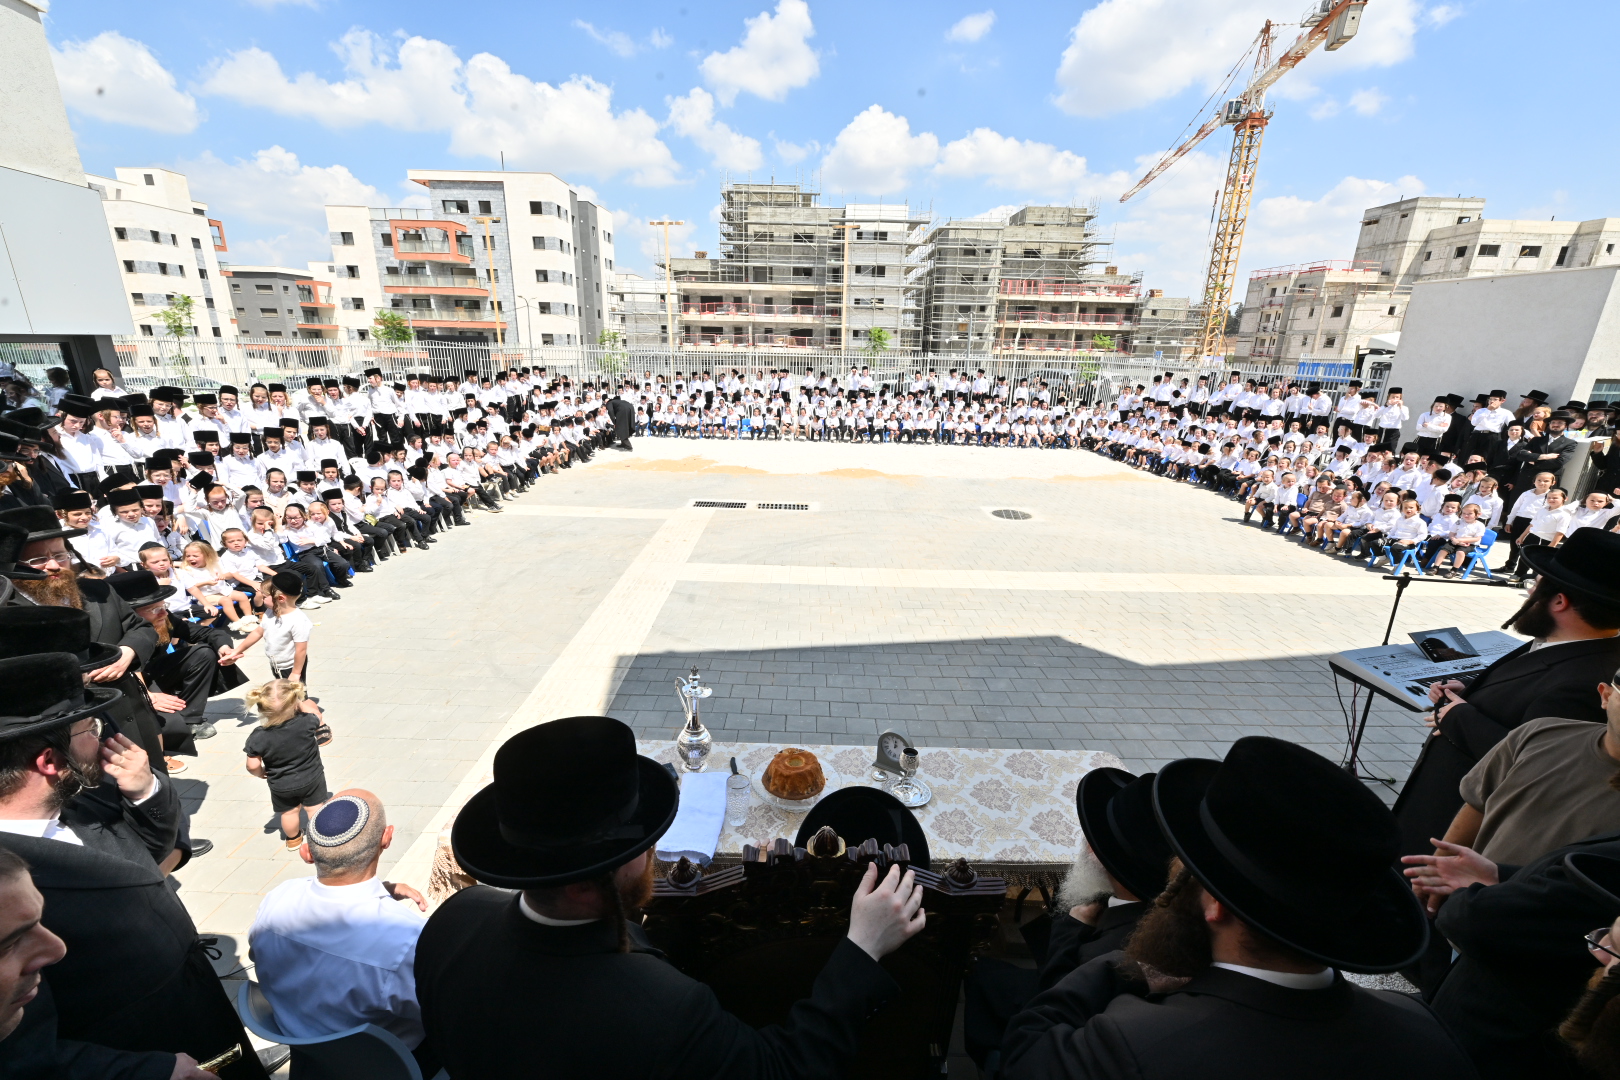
(1120, 915)
(1246, 990)
(590, 939)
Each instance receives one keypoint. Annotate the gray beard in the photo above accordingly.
(1087, 881)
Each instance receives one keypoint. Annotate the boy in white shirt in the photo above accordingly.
(284, 629)
(1465, 535)
(1551, 522)
(1408, 531)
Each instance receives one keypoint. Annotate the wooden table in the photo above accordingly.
(1010, 813)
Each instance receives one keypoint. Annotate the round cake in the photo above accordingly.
(794, 774)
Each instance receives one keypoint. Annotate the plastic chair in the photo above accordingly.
(292, 556)
(1476, 558)
(1409, 557)
(365, 1051)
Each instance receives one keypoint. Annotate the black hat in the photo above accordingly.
(417, 472)
(171, 394)
(571, 799)
(1597, 875)
(12, 539)
(141, 408)
(1454, 400)
(287, 583)
(469, 373)
(350, 380)
(306, 474)
(122, 497)
(1481, 399)
(289, 422)
(329, 384)
(859, 814)
(72, 500)
(1568, 416)
(199, 458)
(370, 371)
(78, 405)
(1394, 390)
(1537, 396)
(1587, 561)
(205, 436)
(201, 482)
(205, 399)
(329, 463)
(1573, 404)
(31, 419)
(1499, 394)
(312, 380)
(227, 389)
(241, 438)
(149, 491)
(1241, 826)
(1597, 406)
(275, 386)
(47, 690)
(314, 420)
(1116, 814)
(41, 523)
(10, 445)
(331, 493)
(140, 587)
(25, 631)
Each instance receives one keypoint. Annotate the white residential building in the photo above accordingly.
(166, 246)
(514, 257)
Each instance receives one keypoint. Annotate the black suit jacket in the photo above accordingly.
(502, 995)
(1224, 1025)
(1526, 456)
(1556, 680)
(1074, 943)
(113, 622)
(1521, 963)
(33, 1052)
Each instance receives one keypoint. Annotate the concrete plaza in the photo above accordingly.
(1125, 613)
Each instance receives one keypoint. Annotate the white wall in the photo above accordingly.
(34, 132)
(1554, 331)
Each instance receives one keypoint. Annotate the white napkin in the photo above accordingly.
(697, 823)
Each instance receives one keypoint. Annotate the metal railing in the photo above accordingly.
(773, 310)
(1031, 287)
(432, 281)
(1075, 318)
(440, 246)
(447, 314)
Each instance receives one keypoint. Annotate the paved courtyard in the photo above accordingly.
(1124, 614)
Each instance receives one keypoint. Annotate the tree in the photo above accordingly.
(614, 356)
(1103, 342)
(391, 328)
(877, 340)
(177, 322)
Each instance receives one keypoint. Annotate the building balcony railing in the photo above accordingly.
(1066, 318)
(1358, 265)
(777, 311)
(1030, 287)
(314, 318)
(743, 341)
(1009, 345)
(446, 314)
(415, 246)
(433, 284)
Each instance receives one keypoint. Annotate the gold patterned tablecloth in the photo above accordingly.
(1010, 813)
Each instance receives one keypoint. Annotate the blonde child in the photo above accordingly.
(201, 576)
(285, 750)
(155, 557)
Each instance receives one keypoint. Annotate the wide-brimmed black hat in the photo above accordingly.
(31, 422)
(1115, 810)
(10, 446)
(25, 631)
(859, 814)
(80, 406)
(46, 690)
(1589, 561)
(1598, 875)
(1537, 396)
(1297, 848)
(140, 587)
(571, 799)
(12, 539)
(40, 521)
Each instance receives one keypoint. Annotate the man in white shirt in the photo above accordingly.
(338, 950)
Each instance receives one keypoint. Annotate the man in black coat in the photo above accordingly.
(623, 415)
(1574, 618)
(135, 976)
(1548, 452)
(557, 981)
(1230, 974)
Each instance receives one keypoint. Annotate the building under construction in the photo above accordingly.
(1034, 282)
(786, 267)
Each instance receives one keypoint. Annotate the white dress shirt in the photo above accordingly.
(331, 957)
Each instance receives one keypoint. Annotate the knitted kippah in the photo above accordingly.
(339, 821)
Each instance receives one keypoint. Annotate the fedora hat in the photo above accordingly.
(40, 521)
(10, 447)
(1246, 827)
(46, 690)
(571, 800)
(859, 814)
(12, 539)
(1116, 814)
(140, 587)
(25, 631)
(32, 419)
(1598, 875)
(1588, 561)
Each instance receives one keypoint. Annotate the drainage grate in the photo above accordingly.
(720, 505)
(1011, 515)
(781, 506)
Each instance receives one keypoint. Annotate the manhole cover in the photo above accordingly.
(781, 506)
(1011, 515)
(720, 505)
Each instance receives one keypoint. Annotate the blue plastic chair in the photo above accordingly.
(1476, 558)
(365, 1051)
(292, 556)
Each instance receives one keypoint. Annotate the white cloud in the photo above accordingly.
(658, 39)
(1037, 168)
(876, 153)
(1441, 14)
(617, 41)
(634, 235)
(1325, 109)
(1124, 54)
(280, 198)
(485, 106)
(775, 56)
(794, 152)
(1368, 102)
(117, 79)
(996, 213)
(693, 117)
(971, 27)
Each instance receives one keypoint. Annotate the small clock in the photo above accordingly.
(887, 764)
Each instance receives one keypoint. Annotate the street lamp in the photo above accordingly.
(489, 253)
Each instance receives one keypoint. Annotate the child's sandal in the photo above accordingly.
(295, 842)
(323, 735)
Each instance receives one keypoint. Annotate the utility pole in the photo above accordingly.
(843, 303)
(669, 288)
(489, 253)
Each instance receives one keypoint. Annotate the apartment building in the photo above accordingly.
(780, 278)
(1030, 283)
(515, 257)
(281, 302)
(166, 246)
(1433, 239)
(1167, 327)
(637, 310)
(1318, 312)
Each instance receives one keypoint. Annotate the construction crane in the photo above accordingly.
(1329, 23)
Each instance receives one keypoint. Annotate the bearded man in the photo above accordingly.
(135, 977)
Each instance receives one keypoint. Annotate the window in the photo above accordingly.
(804, 271)
(148, 178)
(360, 334)
(146, 331)
(352, 271)
(1609, 249)
(1427, 255)
(196, 243)
(137, 298)
(607, 237)
(1530, 251)
(157, 238)
(262, 287)
(608, 263)
(174, 241)
(121, 233)
(1031, 253)
(208, 302)
(241, 311)
(864, 234)
(346, 239)
(163, 268)
(455, 206)
(1273, 292)
(1489, 251)
(1330, 341)
(1312, 313)
(387, 239)
(540, 207)
(198, 211)
(483, 206)
(202, 273)
(1460, 221)
(236, 287)
(1338, 312)
(1460, 252)
(542, 275)
(129, 266)
(272, 333)
(547, 243)
(1563, 253)
(1391, 310)
(216, 331)
(357, 303)
(871, 271)
(268, 312)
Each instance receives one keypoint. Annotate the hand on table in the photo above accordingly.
(166, 703)
(1451, 867)
(401, 891)
(886, 914)
(128, 767)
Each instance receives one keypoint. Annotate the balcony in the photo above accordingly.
(448, 316)
(1064, 318)
(418, 246)
(759, 311)
(1030, 287)
(742, 341)
(1009, 345)
(433, 285)
(312, 317)
(1295, 269)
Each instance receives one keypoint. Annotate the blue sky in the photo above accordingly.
(274, 107)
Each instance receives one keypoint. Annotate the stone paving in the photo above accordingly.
(1127, 614)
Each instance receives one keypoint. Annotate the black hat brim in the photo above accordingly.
(163, 593)
(848, 809)
(1546, 562)
(1091, 799)
(1389, 931)
(477, 843)
(96, 698)
(1598, 875)
(18, 572)
(99, 655)
(51, 534)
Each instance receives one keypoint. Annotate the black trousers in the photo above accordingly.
(379, 540)
(398, 527)
(185, 670)
(313, 576)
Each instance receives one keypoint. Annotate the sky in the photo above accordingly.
(274, 108)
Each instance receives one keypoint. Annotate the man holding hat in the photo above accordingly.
(1231, 973)
(558, 979)
(135, 976)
